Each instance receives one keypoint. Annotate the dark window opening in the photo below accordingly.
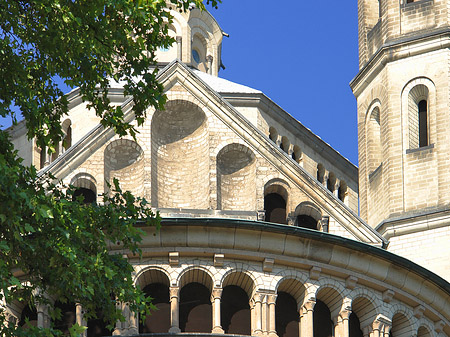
(342, 192)
(235, 311)
(42, 158)
(28, 314)
(275, 207)
(67, 319)
(286, 315)
(195, 308)
(323, 325)
(159, 320)
(306, 221)
(88, 195)
(354, 326)
(96, 327)
(423, 123)
(281, 146)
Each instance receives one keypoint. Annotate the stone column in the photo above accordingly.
(209, 60)
(79, 319)
(215, 299)
(376, 326)
(174, 310)
(42, 313)
(272, 324)
(258, 324)
(264, 315)
(344, 319)
(179, 40)
(307, 323)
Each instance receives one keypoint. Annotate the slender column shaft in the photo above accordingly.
(174, 310)
(307, 321)
(272, 324)
(215, 299)
(258, 323)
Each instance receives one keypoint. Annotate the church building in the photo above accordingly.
(267, 230)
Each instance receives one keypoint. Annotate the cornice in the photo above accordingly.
(399, 49)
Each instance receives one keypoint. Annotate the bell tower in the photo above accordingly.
(402, 91)
(198, 40)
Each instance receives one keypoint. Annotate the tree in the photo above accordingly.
(51, 242)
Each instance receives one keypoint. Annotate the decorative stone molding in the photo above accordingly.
(218, 260)
(268, 264)
(418, 311)
(388, 295)
(174, 259)
(350, 282)
(314, 273)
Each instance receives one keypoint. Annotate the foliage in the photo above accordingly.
(49, 243)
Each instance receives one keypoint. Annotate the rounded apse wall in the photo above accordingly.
(180, 157)
(236, 178)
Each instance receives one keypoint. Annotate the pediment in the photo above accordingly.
(203, 156)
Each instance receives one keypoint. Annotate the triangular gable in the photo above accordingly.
(177, 74)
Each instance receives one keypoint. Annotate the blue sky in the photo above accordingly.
(301, 54)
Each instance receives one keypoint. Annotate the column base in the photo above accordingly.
(174, 329)
(218, 329)
(273, 334)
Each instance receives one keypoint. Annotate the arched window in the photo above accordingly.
(275, 207)
(86, 194)
(354, 326)
(423, 123)
(323, 325)
(418, 116)
(68, 317)
(307, 215)
(286, 315)
(195, 308)
(28, 318)
(159, 320)
(96, 327)
(235, 311)
(374, 149)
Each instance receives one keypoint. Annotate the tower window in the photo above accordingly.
(418, 112)
(423, 124)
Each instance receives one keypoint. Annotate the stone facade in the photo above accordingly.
(261, 234)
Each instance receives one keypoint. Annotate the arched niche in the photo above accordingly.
(307, 215)
(236, 178)
(331, 182)
(320, 176)
(180, 157)
(273, 134)
(322, 323)
(124, 160)
(67, 135)
(297, 154)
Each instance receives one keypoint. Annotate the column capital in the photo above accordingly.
(345, 314)
(174, 291)
(272, 299)
(216, 293)
(309, 305)
(179, 39)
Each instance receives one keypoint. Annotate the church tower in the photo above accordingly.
(402, 91)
